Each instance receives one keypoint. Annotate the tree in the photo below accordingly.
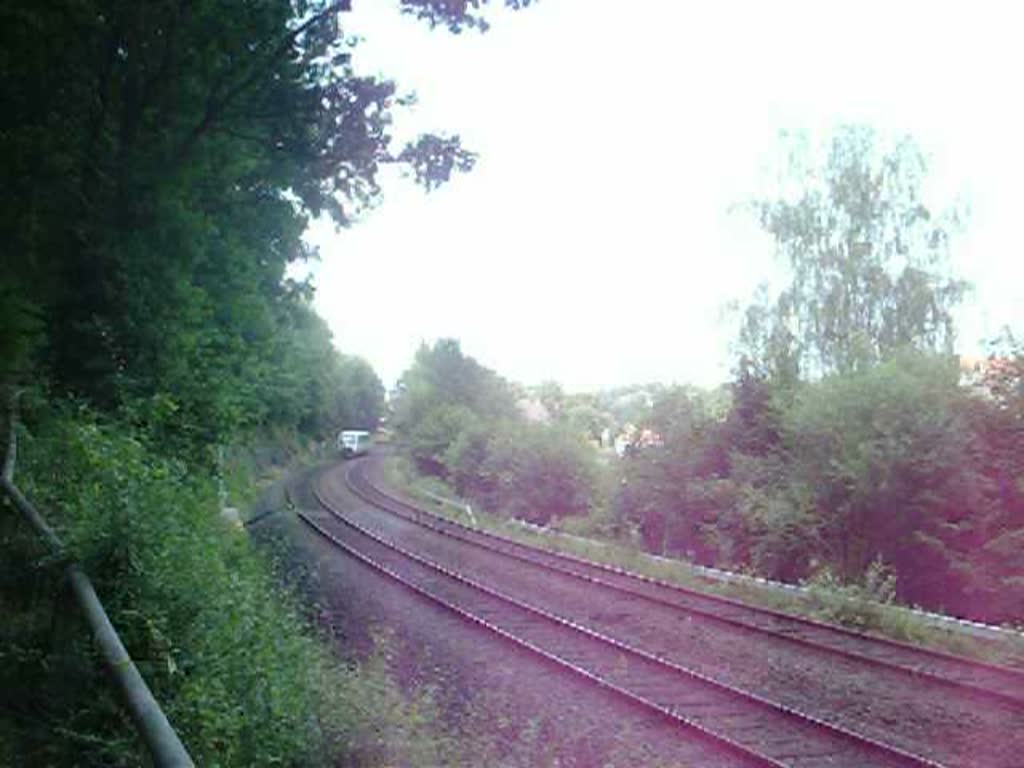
(553, 398)
(431, 440)
(442, 375)
(867, 260)
(455, 14)
(360, 394)
(584, 417)
(458, 420)
(676, 492)
(159, 162)
(148, 159)
(888, 455)
(538, 473)
(995, 415)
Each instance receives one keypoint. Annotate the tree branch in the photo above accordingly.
(215, 107)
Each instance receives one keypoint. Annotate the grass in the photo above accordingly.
(853, 606)
(250, 467)
(240, 671)
(434, 718)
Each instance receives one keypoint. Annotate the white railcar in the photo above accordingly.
(353, 442)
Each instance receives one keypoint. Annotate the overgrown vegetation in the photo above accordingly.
(852, 436)
(159, 164)
(849, 439)
(459, 421)
(225, 650)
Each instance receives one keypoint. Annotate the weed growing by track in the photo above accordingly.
(241, 674)
(864, 607)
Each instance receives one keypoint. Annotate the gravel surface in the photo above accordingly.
(756, 725)
(922, 717)
(1005, 682)
(538, 713)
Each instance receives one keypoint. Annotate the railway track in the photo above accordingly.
(964, 676)
(761, 731)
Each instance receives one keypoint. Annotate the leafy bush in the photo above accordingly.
(223, 648)
(538, 473)
(859, 604)
(434, 435)
(192, 602)
(457, 420)
(890, 461)
(895, 460)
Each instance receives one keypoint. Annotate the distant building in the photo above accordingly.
(650, 439)
(623, 441)
(533, 410)
(632, 437)
(986, 377)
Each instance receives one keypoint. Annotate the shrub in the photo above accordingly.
(859, 604)
(538, 473)
(224, 649)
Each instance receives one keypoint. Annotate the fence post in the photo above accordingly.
(10, 429)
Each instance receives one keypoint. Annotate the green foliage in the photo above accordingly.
(849, 436)
(466, 457)
(238, 672)
(159, 163)
(358, 395)
(896, 461)
(217, 642)
(457, 420)
(860, 604)
(889, 461)
(442, 375)
(438, 437)
(157, 175)
(457, 15)
(442, 395)
(867, 260)
(536, 473)
(775, 526)
(680, 495)
(21, 335)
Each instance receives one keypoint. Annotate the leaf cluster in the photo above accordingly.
(897, 463)
(459, 421)
(867, 260)
(159, 164)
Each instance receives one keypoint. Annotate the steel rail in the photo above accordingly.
(630, 696)
(1014, 679)
(893, 754)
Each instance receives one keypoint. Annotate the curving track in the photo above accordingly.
(958, 675)
(462, 569)
(762, 731)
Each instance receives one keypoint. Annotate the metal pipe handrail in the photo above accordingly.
(151, 723)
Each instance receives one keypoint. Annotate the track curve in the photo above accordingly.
(777, 735)
(1004, 684)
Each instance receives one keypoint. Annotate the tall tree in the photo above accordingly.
(455, 14)
(158, 164)
(442, 375)
(867, 258)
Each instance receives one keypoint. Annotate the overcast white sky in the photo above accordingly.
(593, 243)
